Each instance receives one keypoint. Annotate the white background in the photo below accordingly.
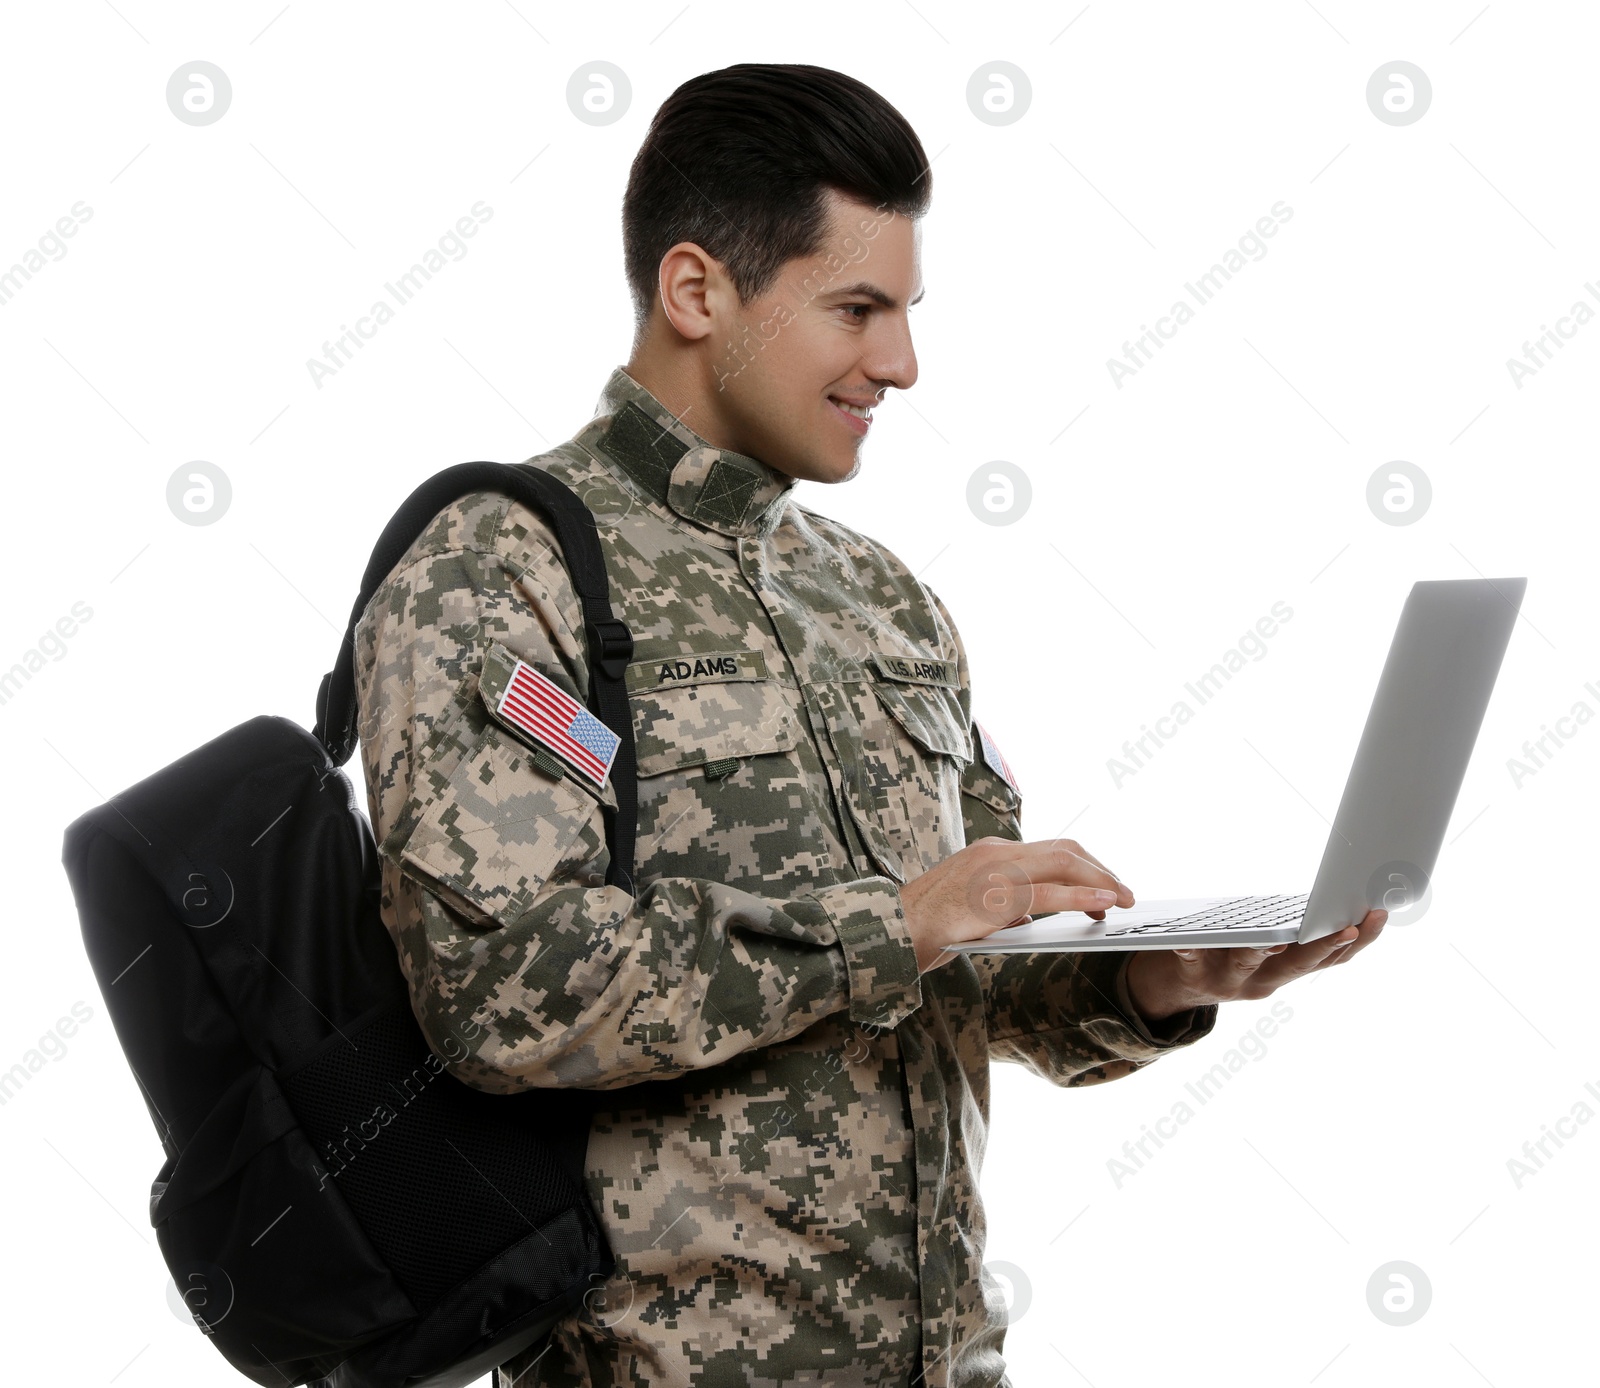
(1228, 475)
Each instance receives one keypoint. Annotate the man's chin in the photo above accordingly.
(830, 470)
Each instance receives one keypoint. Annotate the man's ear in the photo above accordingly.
(690, 284)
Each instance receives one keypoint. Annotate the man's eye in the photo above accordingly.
(865, 309)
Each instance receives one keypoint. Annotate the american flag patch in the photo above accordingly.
(997, 763)
(547, 712)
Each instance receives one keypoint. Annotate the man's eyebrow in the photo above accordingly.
(863, 289)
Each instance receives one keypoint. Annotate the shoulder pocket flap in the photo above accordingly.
(498, 829)
(983, 783)
(697, 723)
(499, 664)
(931, 714)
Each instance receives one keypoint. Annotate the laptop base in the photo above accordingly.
(1220, 922)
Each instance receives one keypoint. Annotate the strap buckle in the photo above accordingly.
(611, 645)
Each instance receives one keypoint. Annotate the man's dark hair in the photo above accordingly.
(740, 162)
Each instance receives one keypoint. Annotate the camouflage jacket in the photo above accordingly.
(791, 1120)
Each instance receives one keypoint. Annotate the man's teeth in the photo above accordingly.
(859, 411)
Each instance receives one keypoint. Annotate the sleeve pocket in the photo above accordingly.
(995, 808)
(498, 830)
(990, 788)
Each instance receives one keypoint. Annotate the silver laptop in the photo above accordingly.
(1397, 802)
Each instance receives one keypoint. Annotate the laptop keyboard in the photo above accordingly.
(1238, 913)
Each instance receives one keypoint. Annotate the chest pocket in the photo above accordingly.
(900, 750)
(720, 795)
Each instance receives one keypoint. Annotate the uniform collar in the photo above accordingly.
(713, 487)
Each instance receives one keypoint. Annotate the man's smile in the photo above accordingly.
(856, 412)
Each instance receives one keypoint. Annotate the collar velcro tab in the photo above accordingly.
(916, 669)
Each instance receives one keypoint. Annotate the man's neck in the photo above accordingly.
(677, 385)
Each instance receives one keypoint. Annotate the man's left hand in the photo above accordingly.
(1164, 982)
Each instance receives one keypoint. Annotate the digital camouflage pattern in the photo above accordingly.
(785, 1154)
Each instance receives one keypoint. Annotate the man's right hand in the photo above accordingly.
(996, 882)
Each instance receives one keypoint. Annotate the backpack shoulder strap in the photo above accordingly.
(610, 641)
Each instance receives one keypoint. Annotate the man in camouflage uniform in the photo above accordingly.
(803, 1194)
(791, 1076)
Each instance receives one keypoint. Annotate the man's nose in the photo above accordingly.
(892, 360)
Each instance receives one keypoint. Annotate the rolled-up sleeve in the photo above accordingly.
(1069, 1018)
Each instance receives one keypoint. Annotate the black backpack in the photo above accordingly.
(334, 1205)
